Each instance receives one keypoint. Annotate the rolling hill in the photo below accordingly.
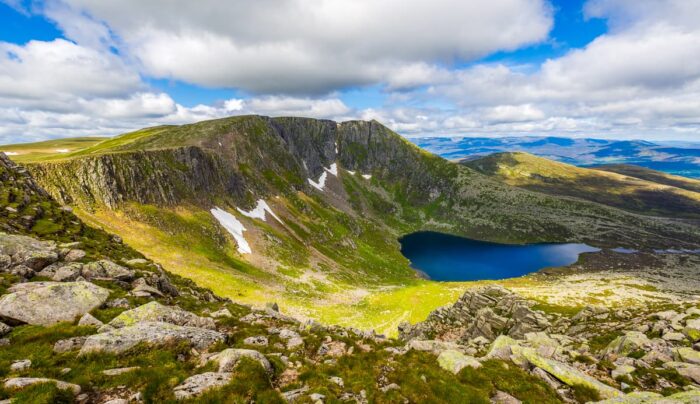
(634, 189)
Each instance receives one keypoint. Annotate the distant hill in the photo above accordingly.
(678, 158)
(652, 175)
(631, 188)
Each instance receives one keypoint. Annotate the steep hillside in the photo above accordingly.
(308, 212)
(621, 190)
(653, 176)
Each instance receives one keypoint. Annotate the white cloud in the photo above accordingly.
(303, 46)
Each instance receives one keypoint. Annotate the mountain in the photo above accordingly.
(199, 200)
(678, 158)
(623, 191)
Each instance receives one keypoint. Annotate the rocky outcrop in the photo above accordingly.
(48, 303)
(153, 333)
(483, 312)
(199, 384)
(228, 359)
(19, 383)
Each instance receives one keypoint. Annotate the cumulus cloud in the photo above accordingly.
(302, 46)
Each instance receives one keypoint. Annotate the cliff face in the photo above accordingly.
(161, 177)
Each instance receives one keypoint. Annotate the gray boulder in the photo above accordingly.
(154, 333)
(48, 303)
(28, 251)
(19, 383)
(198, 384)
(154, 311)
(4, 329)
(106, 269)
(69, 344)
(229, 358)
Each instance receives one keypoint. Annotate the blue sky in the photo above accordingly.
(599, 68)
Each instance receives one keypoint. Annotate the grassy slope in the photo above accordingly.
(336, 258)
(49, 150)
(652, 175)
(609, 188)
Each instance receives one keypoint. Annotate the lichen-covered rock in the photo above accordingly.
(89, 320)
(692, 329)
(69, 344)
(28, 251)
(107, 269)
(568, 374)
(333, 349)
(688, 355)
(154, 311)
(228, 359)
(4, 329)
(648, 397)
(433, 346)
(198, 384)
(19, 383)
(502, 347)
(259, 340)
(67, 273)
(154, 333)
(455, 361)
(628, 343)
(688, 370)
(48, 303)
(74, 255)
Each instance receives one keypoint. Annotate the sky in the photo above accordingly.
(618, 69)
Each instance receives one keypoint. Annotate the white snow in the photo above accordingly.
(62, 150)
(351, 172)
(259, 211)
(233, 226)
(321, 182)
(366, 176)
(11, 153)
(333, 170)
(336, 147)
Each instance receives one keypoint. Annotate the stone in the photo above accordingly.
(156, 312)
(501, 347)
(22, 271)
(286, 333)
(432, 346)
(688, 370)
(28, 251)
(48, 303)
(692, 330)
(568, 374)
(317, 397)
(229, 358)
(272, 306)
(89, 320)
(623, 370)
(136, 261)
(4, 329)
(67, 273)
(629, 342)
(294, 342)
(293, 395)
(154, 333)
(141, 288)
(455, 361)
(259, 340)
(19, 383)
(196, 385)
(337, 380)
(18, 366)
(504, 398)
(223, 313)
(333, 349)
(119, 371)
(688, 355)
(106, 269)
(74, 255)
(673, 336)
(69, 344)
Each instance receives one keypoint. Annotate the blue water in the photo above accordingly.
(444, 257)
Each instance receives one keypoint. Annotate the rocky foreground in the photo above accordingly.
(74, 329)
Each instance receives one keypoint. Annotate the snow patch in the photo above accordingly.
(336, 147)
(366, 176)
(321, 182)
(351, 172)
(11, 153)
(259, 211)
(62, 150)
(333, 170)
(233, 226)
